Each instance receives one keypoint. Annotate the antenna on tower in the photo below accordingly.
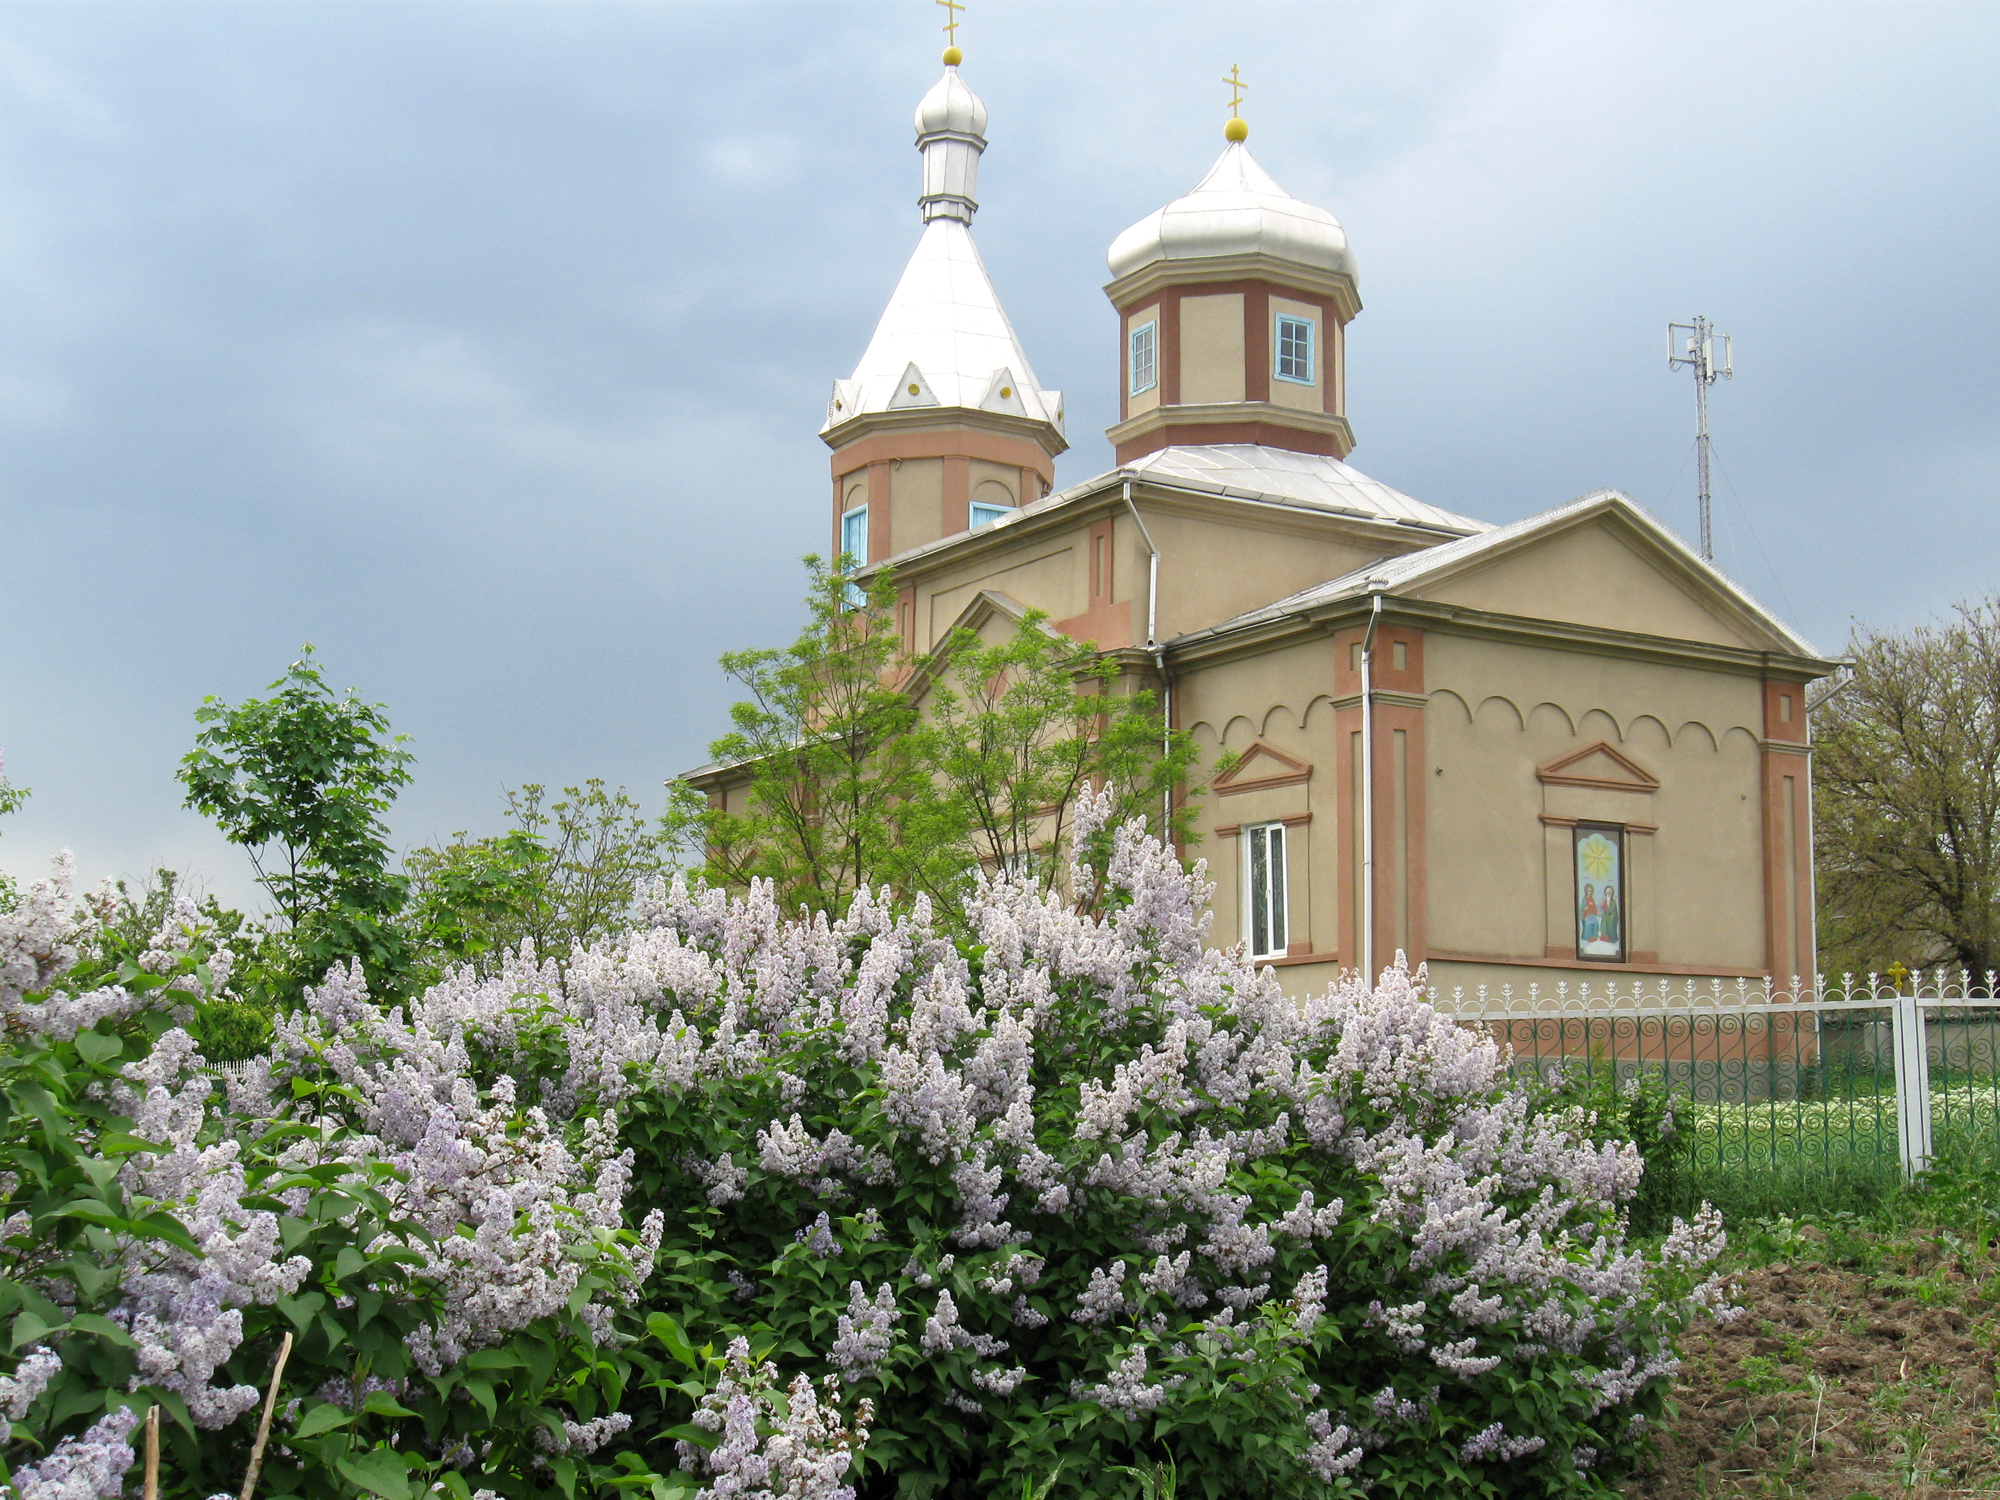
(1695, 346)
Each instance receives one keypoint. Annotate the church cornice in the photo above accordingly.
(944, 418)
(1105, 494)
(1210, 648)
(1338, 286)
(1263, 423)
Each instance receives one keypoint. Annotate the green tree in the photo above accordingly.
(303, 780)
(563, 875)
(868, 767)
(824, 740)
(1906, 788)
(1011, 735)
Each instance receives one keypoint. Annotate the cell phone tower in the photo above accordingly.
(1693, 346)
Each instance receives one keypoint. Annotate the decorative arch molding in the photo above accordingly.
(1437, 701)
(1578, 722)
(1569, 720)
(1602, 725)
(1262, 768)
(1637, 726)
(1320, 707)
(1289, 721)
(1736, 737)
(1699, 728)
(1520, 721)
(1249, 728)
(1599, 766)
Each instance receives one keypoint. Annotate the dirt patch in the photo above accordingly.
(1841, 1382)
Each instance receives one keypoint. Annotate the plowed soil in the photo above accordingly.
(1840, 1382)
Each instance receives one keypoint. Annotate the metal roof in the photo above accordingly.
(1252, 472)
(944, 332)
(1235, 210)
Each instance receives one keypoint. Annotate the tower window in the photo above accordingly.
(854, 549)
(854, 535)
(1295, 350)
(1265, 848)
(1145, 362)
(982, 514)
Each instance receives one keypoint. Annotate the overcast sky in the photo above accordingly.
(484, 345)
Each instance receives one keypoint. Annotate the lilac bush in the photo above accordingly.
(742, 1203)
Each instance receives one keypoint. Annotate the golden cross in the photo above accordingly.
(1236, 86)
(951, 9)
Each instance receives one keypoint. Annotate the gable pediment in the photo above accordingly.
(1599, 767)
(1262, 768)
(1608, 568)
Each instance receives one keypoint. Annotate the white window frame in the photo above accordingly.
(1144, 336)
(1267, 852)
(979, 513)
(1278, 347)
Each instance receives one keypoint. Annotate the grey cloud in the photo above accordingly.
(484, 345)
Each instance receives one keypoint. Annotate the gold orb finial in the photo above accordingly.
(1238, 128)
(952, 56)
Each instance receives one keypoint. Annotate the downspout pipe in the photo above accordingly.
(1153, 645)
(1367, 944)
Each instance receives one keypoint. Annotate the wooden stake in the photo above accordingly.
(264, 1427)
(152, 1453)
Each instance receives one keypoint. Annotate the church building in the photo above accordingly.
(1565, 749)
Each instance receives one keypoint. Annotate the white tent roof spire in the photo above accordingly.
(944, 340)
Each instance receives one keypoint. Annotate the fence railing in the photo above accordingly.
(1860, 1073)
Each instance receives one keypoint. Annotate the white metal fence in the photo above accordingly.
(1853, 1074)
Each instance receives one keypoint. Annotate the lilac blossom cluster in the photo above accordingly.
(1512, 1218)
(88, 1467)
(765, 1449)
(511, 1213)
(1072, 1067)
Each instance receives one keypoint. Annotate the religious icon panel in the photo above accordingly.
(1600, 893)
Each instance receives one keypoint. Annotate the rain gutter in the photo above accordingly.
(1159, 655)
(1367, 943)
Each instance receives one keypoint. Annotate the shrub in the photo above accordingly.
(1068, 1199)
(1639, 1106)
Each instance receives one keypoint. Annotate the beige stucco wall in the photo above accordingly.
(1280, 698)
(1290, 392)
(1212, 566)
(916, 502)
(985, 472)
(1212, 348)
(1497, 882)
(1501, 883)
(1212, 569)
(1590, 576)
(1047, 577)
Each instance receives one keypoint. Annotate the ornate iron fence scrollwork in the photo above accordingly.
(1800, 1081)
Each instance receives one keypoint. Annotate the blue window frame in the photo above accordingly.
(984, 515)
(1295, 350)
(854, 544)
(854, 535)
(1145, 357)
